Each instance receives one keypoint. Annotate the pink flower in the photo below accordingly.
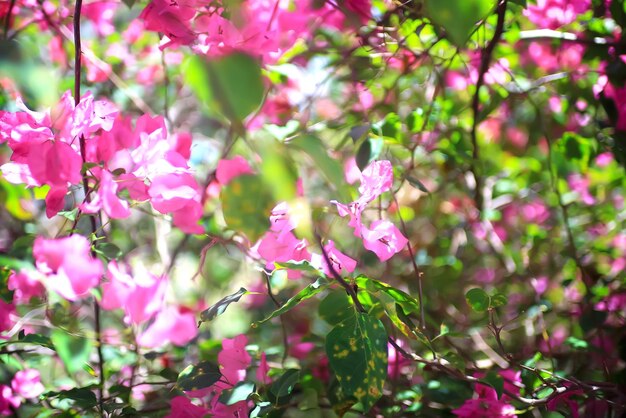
(552, 14)
(376, 179)
(170, 325)
(229, 169)
(25, 285)
(234, 359)
(101, 15)
(580, 185)
(8, 400)
(485, 408)
(27, 384)
(183, 408)
(171, 19)
(68, 265)
(140, 296)
(341, 263)
(384, 239)
(263, 370)
(6, 310)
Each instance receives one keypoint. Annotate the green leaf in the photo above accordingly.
(336, 307)
(477, 299)
(357, 353)
(219, 307)
(108, 250)
(329, 167)
(458, 18)
(413, 181)
(231, 85)
(308, 292)
(496, 381)
(35, 339)
(74, 351)
(303, 265)
(278, 170)
(82, 397)
(284, 385)
(408, 303)
(246, 205)
(498, 300)
(199, 376)
(70, 215)
(240, 392)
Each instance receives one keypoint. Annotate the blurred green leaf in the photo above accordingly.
(199, 376)
(231, 85)
(458, 18)
(357, 353)
(73, 350)
(306, 293)
(246, 205)
(219, 307)
(477, 299)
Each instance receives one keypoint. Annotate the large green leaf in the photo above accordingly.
(336, 307)
(199, 376)
(73, 350)
(306, 293)
(231, 85)
(221, 305)
(357, 353)
(409, 304)
(458, 18)
(247, 204)
(329, 167)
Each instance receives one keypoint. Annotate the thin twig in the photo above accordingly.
(484, 68)
(94, 228)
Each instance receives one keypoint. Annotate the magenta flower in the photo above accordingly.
(8, 400)
(183, 408)
(170, 325)
(6, 310)
(341, 263)
(384, 239)
(27, 384)
(25, 285)
(140, 296)
(70, 269)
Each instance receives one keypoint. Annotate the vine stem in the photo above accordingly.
(485, 62)
(94, 228)
(7, 21)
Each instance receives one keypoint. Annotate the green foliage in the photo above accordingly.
(246, 205)
(357, 353)
(198, 376)
(218, 308)
(231, 85)
(308, 292)
(73, 350)
(458, 18)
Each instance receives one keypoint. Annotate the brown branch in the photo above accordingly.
(94, 228)
(484, 68)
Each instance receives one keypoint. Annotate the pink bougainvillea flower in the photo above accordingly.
(552, 14)
(485, 408)
(376, 179)
(580, 184)
(141, 296)
(27, 384)
(234, 359)
(384, 239)
(340, 262)
(229, 169)
(170, 325)
(263, 370)
(183, 408)
(8, 400)
(6, 310)
(69, 268)
(101, 13)
(170, 18)
(565, 399)
(25, 285)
